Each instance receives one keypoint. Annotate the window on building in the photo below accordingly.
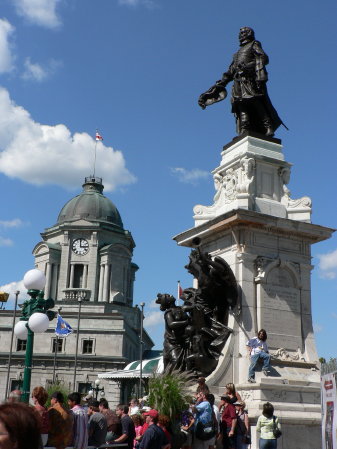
(16, 384)
(84, 388)
(87, 346)
(78, 276)
(21, 345)
(59, 343)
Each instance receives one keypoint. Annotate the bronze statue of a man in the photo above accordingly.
(251, 105)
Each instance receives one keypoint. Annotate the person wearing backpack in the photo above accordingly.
(203, 430)
(242, 431)
(269, 427)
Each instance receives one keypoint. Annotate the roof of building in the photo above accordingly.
(91, 205)
(132, 370)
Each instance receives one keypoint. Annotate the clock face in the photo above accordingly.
(80, 247)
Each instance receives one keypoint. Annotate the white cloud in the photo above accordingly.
(42, 154)
(39, 72)
(192, 176)
(6, 55)
(147, 3)
(328, 264)
(318, 328)
(129, 2)
(39, 12)
(15, 223)
(154, 319)
(153, 304)
(11, 288)
(5, 241)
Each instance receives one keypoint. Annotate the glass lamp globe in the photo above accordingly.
(20, 330)
(97, 382)
(34, 280)
(38, 322)
(102, 393)
(90, 393)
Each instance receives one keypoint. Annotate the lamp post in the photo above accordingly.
(55, 351)
(77, 338)
(142, 304)
(35, 319)
(11, 345)
(96, 389)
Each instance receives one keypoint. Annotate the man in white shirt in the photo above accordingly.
(258, 349)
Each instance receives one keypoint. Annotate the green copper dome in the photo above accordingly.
(91, 204)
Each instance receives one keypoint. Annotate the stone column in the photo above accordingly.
(85, 276)
(106, 283)
(71, 281)
(101, 281)
(48, 280)
(54, 281)
(63, 273)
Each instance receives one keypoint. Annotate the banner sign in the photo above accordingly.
(329, 410)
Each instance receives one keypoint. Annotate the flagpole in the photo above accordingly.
(56, 349)
(95, 157)
(178, 295)
(11, 346)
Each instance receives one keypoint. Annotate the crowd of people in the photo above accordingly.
(80, 426)
(227, 423)
(203, 425)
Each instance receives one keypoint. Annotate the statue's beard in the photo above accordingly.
(245, 40)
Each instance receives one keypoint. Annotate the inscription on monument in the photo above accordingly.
(280, 310)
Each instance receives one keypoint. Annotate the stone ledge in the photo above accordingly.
(269, 383)
(294, 363)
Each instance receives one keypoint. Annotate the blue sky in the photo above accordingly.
(134, 69)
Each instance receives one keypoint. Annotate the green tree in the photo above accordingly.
(58, 386)
(170, 393)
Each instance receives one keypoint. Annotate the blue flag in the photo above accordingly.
(63, 329)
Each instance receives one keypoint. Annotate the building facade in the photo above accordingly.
(87, 259)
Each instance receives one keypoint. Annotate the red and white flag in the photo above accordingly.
(98, 136)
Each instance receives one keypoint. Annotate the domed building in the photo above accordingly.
(87, 259)
(88, 250)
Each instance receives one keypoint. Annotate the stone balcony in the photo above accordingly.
(77, 294)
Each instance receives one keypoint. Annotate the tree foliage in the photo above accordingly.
(58, 386)
(170, 393)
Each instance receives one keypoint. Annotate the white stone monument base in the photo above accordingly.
(271, 259)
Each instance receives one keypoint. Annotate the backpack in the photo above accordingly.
(276, 431)
(205, 432)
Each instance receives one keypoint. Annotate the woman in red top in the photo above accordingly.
(40, 396)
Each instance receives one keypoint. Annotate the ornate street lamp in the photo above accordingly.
(96, 389)
(35, 319)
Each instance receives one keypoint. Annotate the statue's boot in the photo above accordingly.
(244, 126)
(244, 122)
(268, 127)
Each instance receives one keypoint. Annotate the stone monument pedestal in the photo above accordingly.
(266, 238)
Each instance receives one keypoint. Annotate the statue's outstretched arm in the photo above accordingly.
(218, 91)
